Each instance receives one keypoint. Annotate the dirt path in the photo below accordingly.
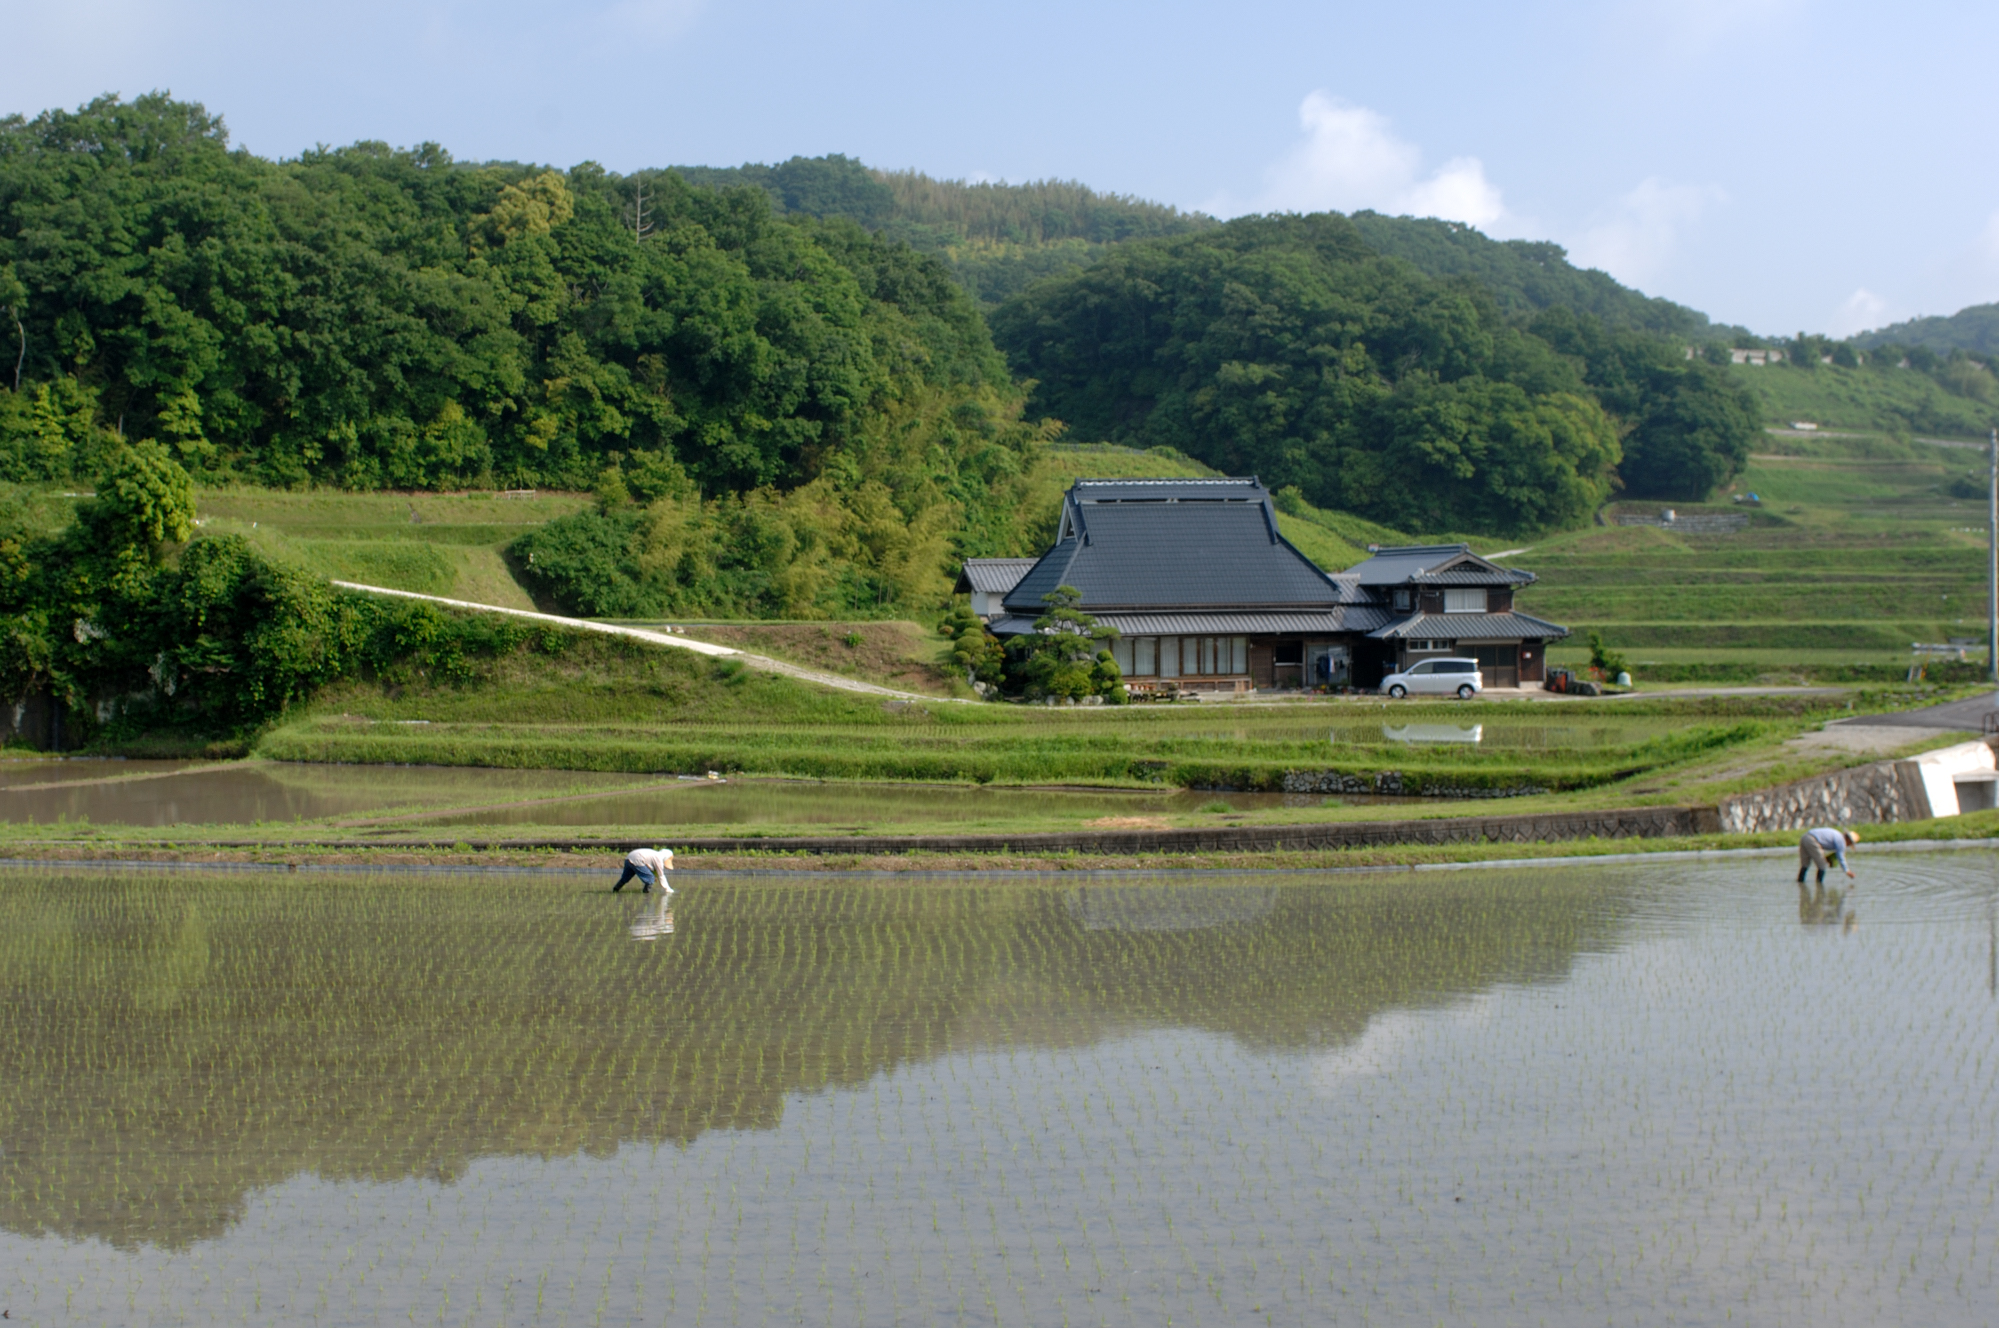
(763, 663)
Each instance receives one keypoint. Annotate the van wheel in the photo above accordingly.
(1398, 691)
(1467, 692)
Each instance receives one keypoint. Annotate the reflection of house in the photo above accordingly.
(1208, 595)
(1169, 908)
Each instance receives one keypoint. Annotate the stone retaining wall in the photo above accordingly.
(1876, 794)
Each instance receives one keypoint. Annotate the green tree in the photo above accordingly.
(1063, 657)
(1286, 347)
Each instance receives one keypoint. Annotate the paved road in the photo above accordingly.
(762, 662)
(1968, 714)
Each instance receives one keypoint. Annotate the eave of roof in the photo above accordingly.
(1337, 622)
(992, 576)
(1471, 627)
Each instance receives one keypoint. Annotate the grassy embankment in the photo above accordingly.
(435, 544)
(1866, 400)
(1860, 547)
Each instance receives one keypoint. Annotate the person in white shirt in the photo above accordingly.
(649, 865)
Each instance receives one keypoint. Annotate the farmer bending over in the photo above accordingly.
(652, 864)
(1812, 850)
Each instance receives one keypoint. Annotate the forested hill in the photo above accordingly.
(997, 238)
(785, 401)
(1527, 276)
(1975, 329)
(1290, 348)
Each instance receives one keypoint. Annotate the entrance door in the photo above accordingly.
(1499, 664)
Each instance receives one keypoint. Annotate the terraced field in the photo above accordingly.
(1859, 548)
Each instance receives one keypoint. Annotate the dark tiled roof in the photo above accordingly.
(1424, 564)
(1360, 619)
(992, 576)
(1179, 555)
(1470, 627)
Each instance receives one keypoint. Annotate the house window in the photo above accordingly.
(1418, 644)
(1121, 652)
(1146, 656)
(1465, 601)
(1405, 600)
(1239, 651)
(1287, 652)
(1169, 656)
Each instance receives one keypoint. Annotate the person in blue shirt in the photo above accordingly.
(1816, 844)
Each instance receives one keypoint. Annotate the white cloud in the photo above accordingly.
(1352, 159)
(1859, 312)
(1634, 238)
(1390, 1038)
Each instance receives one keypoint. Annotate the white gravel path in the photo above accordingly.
(761, 662)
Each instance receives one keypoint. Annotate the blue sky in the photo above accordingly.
(1787, 164)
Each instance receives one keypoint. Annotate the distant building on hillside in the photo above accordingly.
(1739, 355)
(1208, 595)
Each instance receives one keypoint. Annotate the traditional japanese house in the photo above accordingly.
(1208, 595)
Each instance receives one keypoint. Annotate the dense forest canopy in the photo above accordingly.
(1291, 348)
(1974, 329)
(371, 318)
(778, 378)
(1527, 276)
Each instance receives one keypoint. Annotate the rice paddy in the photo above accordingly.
(1591, 1095)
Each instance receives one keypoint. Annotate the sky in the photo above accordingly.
(1789, 165)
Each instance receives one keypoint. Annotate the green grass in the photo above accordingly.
(1884, 400)
(1860, 548)
(434, 544)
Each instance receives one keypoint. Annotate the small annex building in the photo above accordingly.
(1208, 596)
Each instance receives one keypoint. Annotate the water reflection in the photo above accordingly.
(80, 769)
(656, 921)
(1169, 908)
(243, 1029)
(1433, 732)
(1563, 1097)
(1820, 907)
(159, 793)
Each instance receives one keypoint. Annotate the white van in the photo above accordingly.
(1437, 677)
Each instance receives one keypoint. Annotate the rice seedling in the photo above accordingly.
(1568, 1097)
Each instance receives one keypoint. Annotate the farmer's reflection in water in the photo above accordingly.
(1820, 907)
(655, 922)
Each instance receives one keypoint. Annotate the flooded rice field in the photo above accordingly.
(163, 793)
(396, 798)
(1576, 1096)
